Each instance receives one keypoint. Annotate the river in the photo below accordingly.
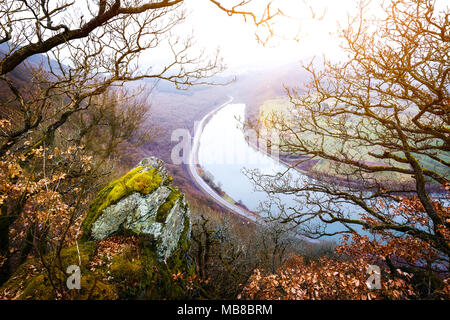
(223, 152)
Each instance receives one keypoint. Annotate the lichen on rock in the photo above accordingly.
(135, 238)
(141, 203)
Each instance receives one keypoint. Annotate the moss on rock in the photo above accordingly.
(126, 268)
(69, 255)
(117, 265)
(134, 272)
(164, 209)
(30, 283)
(142, 179)
(39, 288)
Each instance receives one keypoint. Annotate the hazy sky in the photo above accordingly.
(314, 22)
(238, 43)
(236, 39)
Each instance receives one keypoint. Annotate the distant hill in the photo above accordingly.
(21, 75)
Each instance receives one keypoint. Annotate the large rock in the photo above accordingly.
(141, 203)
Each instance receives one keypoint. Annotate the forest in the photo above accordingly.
(93, 207)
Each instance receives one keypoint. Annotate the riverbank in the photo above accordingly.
(305, 166)
(219, 137)
(201, 184)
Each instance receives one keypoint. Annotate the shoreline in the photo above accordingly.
(338, 180)
(198, 180)
(249, 216)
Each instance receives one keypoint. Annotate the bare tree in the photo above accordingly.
(89, 47)
(379, 124)
(226, 251)
(76, 55)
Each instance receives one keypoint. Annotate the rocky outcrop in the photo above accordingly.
(141, 203)
(135, 239)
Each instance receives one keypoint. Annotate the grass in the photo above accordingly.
(354, 151)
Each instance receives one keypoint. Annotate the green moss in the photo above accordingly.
(143, 182)
(33, 286)
(127, 268)
(137, 180)
(178, 260)
(165, 208)
(168, 181)
(135, 273)
(184, 241)
(154, 279)
(128, 271)
(93, 289)
(17, 281)
(158, 282)
(69, 256)
(39, 288)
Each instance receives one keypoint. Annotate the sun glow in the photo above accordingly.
(306, 28)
